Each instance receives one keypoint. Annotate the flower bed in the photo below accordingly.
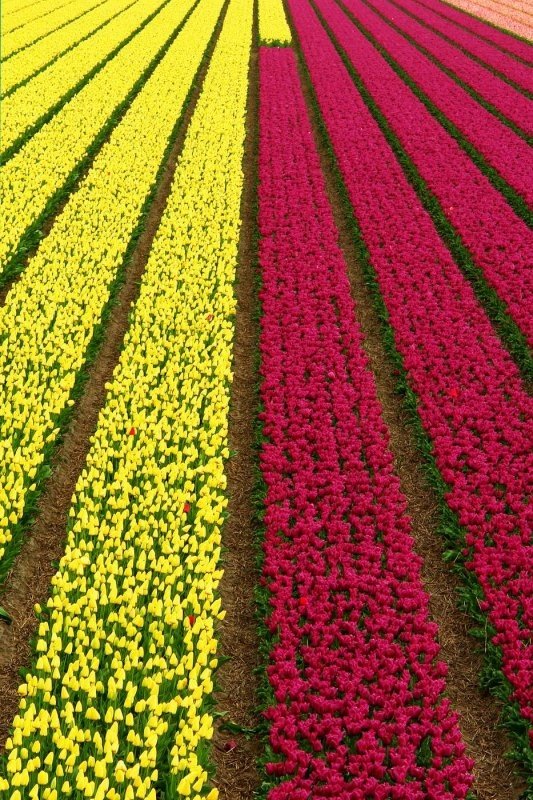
(23, 36)
(490, 33)
(506, 100)
(507, 17)
(357, 704)
(117, 701)
(23, 110)
(51, 314)
(486, 224)
(471, 400)
(497, 60)
(24, 64)
(13, 17)
(506, 152)
(273, 27)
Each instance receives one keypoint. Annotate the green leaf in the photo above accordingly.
(233, 727)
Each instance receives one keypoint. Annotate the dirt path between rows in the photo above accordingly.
(236, 754)
(29, 581)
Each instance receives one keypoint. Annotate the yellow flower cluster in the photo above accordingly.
(19, 12)
(50, 314)
(62, 142)
(116, 705)
(29, 102)
(26, 34)
(24, 63)
(273, 26)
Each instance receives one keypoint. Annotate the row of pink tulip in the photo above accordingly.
(489, 33)
(495, 59)
(471, 400)
(500, 242)
(509, 102)
(501, 147)
(354, 671)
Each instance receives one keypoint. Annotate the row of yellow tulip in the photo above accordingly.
(15, 40)
(51, 313)
(16, 13)
(273, 26)
(59, 145)
(117, 702)
(25, 63)
(23, 109)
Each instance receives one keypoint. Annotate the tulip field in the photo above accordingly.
(366, 168)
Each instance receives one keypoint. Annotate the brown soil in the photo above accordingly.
(236, 754)
(29, 580)
(495, 776)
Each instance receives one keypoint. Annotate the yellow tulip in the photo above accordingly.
(109, 605)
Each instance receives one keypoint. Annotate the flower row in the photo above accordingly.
(273, 26)
(495, 59)
(32, 177)
(506, 152)
(51, 314)
(116, 703)
(500, 242)
(506, 16)
(357, 685)
(471, 400)
(24, 35)
(23, 109)
(489, 33)
(509, 102)
(14, 14)
(24, 64)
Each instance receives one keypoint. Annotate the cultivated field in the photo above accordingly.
(266, 462)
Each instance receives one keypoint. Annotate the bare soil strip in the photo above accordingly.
(236, 750)
(29, 581)
(495, 777)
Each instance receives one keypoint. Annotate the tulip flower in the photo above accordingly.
(340, 546)
(116, 670)
(479, 439)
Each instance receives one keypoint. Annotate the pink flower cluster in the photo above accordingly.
(509, 67)
(471, 399)
(508, 101)
(489, 33)
(500, 242)
(510, 155)
(358, 686)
